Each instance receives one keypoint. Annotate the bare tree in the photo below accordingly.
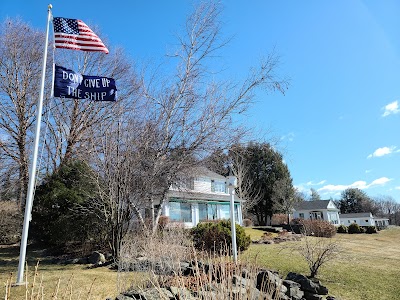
(247, 189)
(184, 115)
(75, 123)
(21, 50)
(387, 207)
(317, 251)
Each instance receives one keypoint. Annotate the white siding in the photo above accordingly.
(326, 214)
(362, 221)
(202, 185)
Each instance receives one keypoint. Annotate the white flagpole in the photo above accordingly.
(32, 174)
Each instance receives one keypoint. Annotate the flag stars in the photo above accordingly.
(68, 26)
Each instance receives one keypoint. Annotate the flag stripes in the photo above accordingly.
(76, 35)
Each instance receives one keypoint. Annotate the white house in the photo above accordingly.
(317, 210)
(327, 210)
(363, 219)
(204, 197)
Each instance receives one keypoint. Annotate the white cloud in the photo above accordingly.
(391, 108)
(383, 151)
(330, 188)
(289, 137)
(397, 188)
(311, 183)
(379, 181)
(368, 171)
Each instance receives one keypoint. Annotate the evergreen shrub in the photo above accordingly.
(371, 229)
(63, 214)
(342, 229)
(354, 228)
(216, 237)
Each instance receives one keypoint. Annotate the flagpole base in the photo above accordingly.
(19, 284)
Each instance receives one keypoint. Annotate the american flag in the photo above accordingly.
(76, 35)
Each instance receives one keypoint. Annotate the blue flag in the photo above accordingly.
(70, 84)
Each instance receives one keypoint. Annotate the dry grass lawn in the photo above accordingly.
(368, 266)
(75, 281)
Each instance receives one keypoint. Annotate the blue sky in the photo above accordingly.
(338, 123)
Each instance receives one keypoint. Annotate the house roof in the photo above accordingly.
(203, 171)
(356, 215)
(199, 196)
(312, 205)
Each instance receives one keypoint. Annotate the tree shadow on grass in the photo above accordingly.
(9, 255)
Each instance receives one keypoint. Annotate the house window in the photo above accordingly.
(180, 211)
(348, 221)
(366, 221)
(218, 186)
(316, 215)
(207, 212)
(355, 221)
(301, 215)
(226, 212)
(333, 218)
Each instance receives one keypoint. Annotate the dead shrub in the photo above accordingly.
(279, 219)
(161, 252)
(247, 223)
(319, 228)
(11, 220)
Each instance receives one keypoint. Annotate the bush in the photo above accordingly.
(342, 229)
(354, 228)
(319, 228)
(216, 237)
(10, 223)
(247, 222)
(163, 221)
(279, 219)
(63, 213)
(371, 229)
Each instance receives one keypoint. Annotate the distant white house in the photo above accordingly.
(327, 210)
(203, 197)
(363, 219)
(317, 210)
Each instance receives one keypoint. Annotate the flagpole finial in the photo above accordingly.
(50, 6)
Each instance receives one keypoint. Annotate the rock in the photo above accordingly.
(156, 294)
(96, 258)
(181, 293)
(311, 296)
(270, 282)
(123, 297)
(146, 294)
(313, 286)
(293, 289)
(236, 292)
(207, 295)
(83, 261)
(240, 281)
(330, 298)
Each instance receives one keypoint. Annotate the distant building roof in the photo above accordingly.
(356, 215)
(311, 205)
